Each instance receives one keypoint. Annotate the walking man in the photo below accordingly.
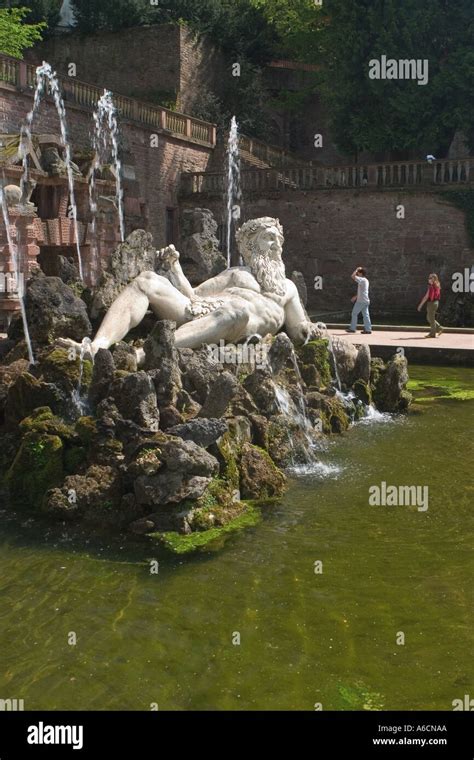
(362, 302)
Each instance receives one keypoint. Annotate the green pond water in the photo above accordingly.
(305, 637)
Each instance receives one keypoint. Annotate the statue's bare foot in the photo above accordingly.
(168, 256)
(85, 347)
(89, 350)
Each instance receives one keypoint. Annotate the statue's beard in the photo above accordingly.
(269, 273)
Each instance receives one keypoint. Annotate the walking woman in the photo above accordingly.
(431, 298)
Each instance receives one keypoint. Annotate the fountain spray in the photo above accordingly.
(105, 131)
(233, 193)
(16, 268)
(46, 77)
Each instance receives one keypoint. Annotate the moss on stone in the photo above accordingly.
(377, 368)
(77, 288)
(86, 428)
(28, 393)
(42, 420)
(316, 353)
(362, 391)
(260, 478)
(208, 539)
(228, 455)
(61, 362)
(215, 507)
(336, 416)
(219, 491)
(37, 467)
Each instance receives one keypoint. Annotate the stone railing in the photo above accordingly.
(399, 174)
(21, 75)
(275, 157)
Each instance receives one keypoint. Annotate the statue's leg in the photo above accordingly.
(148, 290)
(228, 323)
(126, 312)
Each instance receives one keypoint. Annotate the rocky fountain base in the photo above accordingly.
(182, 451)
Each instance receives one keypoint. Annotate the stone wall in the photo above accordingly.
(153, 172)
(158, 64)
(328, 233)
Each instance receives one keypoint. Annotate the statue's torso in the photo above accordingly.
(267, 314)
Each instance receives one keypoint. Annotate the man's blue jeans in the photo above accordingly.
(360, 306)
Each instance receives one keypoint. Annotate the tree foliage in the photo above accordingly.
(341, 37)
(294, 24)
(380, 115)
(15, 34)
(237, 25)
(40, 10)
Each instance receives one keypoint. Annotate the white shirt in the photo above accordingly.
(362, 289)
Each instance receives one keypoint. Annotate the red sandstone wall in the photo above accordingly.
(157, 169)
(145, 62)
(137, 62)
(330, 232)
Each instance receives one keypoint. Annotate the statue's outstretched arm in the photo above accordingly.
(169, 258)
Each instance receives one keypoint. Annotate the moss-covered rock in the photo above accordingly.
(62, 367)
(218, 505)
(315, 354)
(94, 496)
(28, 393)
(261, 387)
(260, 478)
(42, 420)
(37, 467)
(207, 540)
(8, 375)
(332, 412)
(362, 391)
(388, 384)
(287, 441)
(86, 429)
(377, 368)
(226, 450)
(336, 415)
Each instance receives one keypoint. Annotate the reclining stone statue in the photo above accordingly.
(255, 299)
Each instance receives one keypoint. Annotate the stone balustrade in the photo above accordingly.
(21, 75)
(274, 156)
(396, 174)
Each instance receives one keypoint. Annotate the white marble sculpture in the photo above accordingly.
(238, 303)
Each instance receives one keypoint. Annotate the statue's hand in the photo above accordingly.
(314, 330)
(168, 256)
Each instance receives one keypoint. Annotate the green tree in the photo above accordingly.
(92, 16)
(15, 35)
(237, 25)
(40, 10)
(387, 115)
(294, 24)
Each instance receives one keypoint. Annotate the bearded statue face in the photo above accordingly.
(260, 244)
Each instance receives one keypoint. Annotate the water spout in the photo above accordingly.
(295, 411)
(47, 78)
(105, 135)
(18, 274)
(80, 402)
(321, 326)
(233, 191)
